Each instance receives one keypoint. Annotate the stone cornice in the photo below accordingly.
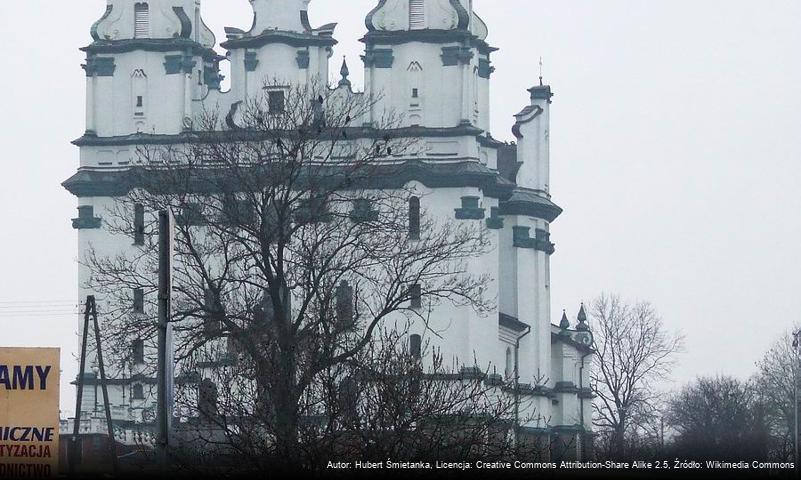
(464, 37)
(151, 45)
(89, 182)
(293, 39)
(90, 139)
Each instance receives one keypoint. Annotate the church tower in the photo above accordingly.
(429, 61)
(281, 48)
(150, 61)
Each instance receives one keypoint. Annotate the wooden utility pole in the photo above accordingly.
(90, 311)
(162, 407)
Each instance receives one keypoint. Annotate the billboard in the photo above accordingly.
(29, 412)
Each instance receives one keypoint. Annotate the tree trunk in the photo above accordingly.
(619, 440)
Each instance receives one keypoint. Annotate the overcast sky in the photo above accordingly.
(676, 153)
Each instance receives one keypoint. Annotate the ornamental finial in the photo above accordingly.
(345, 72)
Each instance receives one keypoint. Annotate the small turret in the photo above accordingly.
(532, 130)
(582, 318)
(344, 72)
(565, 323)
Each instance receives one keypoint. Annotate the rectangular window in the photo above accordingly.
(416, 296)
(141, 20)
(415, 93)
(415, 345)
(138, 392)
(139, 224)
(344, 305)
(276, 101)
(213, 314)
(138, 351)
(138, 300)
(417, 14)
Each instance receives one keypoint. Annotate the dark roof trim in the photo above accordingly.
(531, 204)
(521, 120)
(292, 39)
(555, 337)
(428, 35)
(94, 183)
(193, 137)
(512, 323)
(151, 45)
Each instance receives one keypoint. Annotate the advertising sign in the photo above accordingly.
(29, 412)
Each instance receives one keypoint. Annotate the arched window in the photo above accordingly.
(417, 14)
(414, 218)
(509, 363)
(141, 20)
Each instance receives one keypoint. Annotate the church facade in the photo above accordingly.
(152, 67)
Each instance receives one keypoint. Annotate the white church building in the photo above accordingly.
(153, 66)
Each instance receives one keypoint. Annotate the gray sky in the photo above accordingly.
(676, 153)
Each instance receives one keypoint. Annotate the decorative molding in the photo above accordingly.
(99, 66)
(303, 59)
(470, 209)
(186, 23)
(378, 58)
(485, 69)
(251, 61)
(175, 64)
(529, 203)
(96, 25)
(495, 221)
(452, 56)
(86, 219)
(293, 39)
(512, 323)
(464, 38)
(184, 45)
(527, 115)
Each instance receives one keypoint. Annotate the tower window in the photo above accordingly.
(140, 101)
(207, 399)
(416, 296)
(417, 14)
(415, 346)
(345, 304)
(138, 392)
(141, 20)
(276, 101)
(139, 224)
(414, 218)
(213, 314)
(138, 300)
(138, 352)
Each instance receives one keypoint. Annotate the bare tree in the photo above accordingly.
(719, 418)
(634, 352)
(381, 404)
(290, 252)
(775, 387)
